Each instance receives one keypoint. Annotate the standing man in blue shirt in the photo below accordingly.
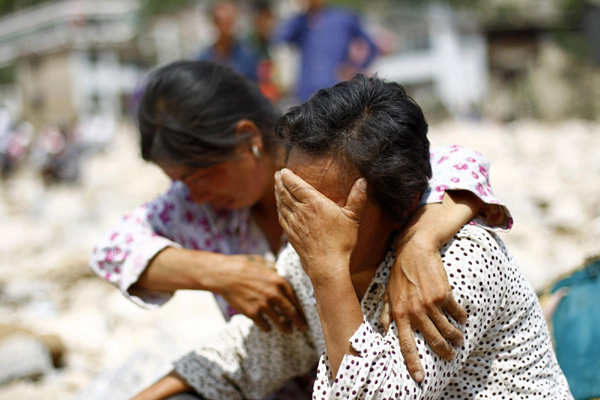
(326, 37)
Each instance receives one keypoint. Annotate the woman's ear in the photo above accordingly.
(246, 127)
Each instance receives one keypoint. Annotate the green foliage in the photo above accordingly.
(355, 4)
(150, 8)
(7, 74)
(10, 6)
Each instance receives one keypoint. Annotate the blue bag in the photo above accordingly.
(576, 326)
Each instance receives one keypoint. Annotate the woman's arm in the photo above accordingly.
(248, 282)
(324, 236)
(144, 256)
(376, 370)
(240, 361)
(170, 385)
(418, 292)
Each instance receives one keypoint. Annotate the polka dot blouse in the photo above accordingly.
(506, 354)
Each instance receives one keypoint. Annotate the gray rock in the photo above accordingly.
(23, 356)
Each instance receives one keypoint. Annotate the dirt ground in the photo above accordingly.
(546, 174)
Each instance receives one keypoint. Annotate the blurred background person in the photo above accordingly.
(228, 49)
(263, 23)
(56, 155)
(332, 42)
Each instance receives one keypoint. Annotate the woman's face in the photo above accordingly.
(334, 179)
(234, 184)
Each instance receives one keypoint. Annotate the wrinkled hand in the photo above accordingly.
(418, 293)
(251, 285)
(322, 233)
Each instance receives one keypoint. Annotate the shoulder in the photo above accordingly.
(476, 259)
(473, 241)
(296, 20)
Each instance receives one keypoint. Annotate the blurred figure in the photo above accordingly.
(264, 21)
(333, 46)
(55, 156)
(228, 50)
(14, 143)
(263, 24)
(5, 122)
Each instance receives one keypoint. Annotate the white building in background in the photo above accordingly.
(72, 59)
(439, 56)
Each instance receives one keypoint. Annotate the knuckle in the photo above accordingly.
(438, 298)
(401, 317)
(441, 294)
(408, 350)
(282, 285)
(292, 312)
(439, 344)
(277, 280)
(271, 298)
(417, 307)
(451, 333)
(254, 313)
(262, 306)
(429, 307)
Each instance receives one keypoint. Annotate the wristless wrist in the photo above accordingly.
(424, 238)
(331, 283)
(209, 277)
(327, 270)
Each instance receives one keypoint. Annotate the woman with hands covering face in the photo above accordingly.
(216, 228)
(358, 161)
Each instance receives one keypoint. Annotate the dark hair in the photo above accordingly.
(375, 127)
(189, 111)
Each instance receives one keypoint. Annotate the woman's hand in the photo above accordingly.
(322, 232)
(419, 295)
(250, 284)
(324, 235)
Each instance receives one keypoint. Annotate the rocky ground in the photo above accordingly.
(546, 174)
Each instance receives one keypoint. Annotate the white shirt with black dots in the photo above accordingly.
(507, 352)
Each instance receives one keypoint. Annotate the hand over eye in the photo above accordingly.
(322, 232)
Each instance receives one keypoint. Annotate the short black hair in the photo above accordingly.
(374, 126)
(189, 110)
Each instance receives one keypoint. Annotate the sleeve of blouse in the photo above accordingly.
(242, 362)
(124, 252)
(378, 371)
(460, 168)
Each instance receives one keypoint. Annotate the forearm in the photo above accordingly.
(171, 384)
(340, 314)
(174, 269)
(437, 223)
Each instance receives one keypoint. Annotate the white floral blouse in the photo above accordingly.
(506, 354)
(173, 219)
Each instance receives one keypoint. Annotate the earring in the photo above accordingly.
(256, 151)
